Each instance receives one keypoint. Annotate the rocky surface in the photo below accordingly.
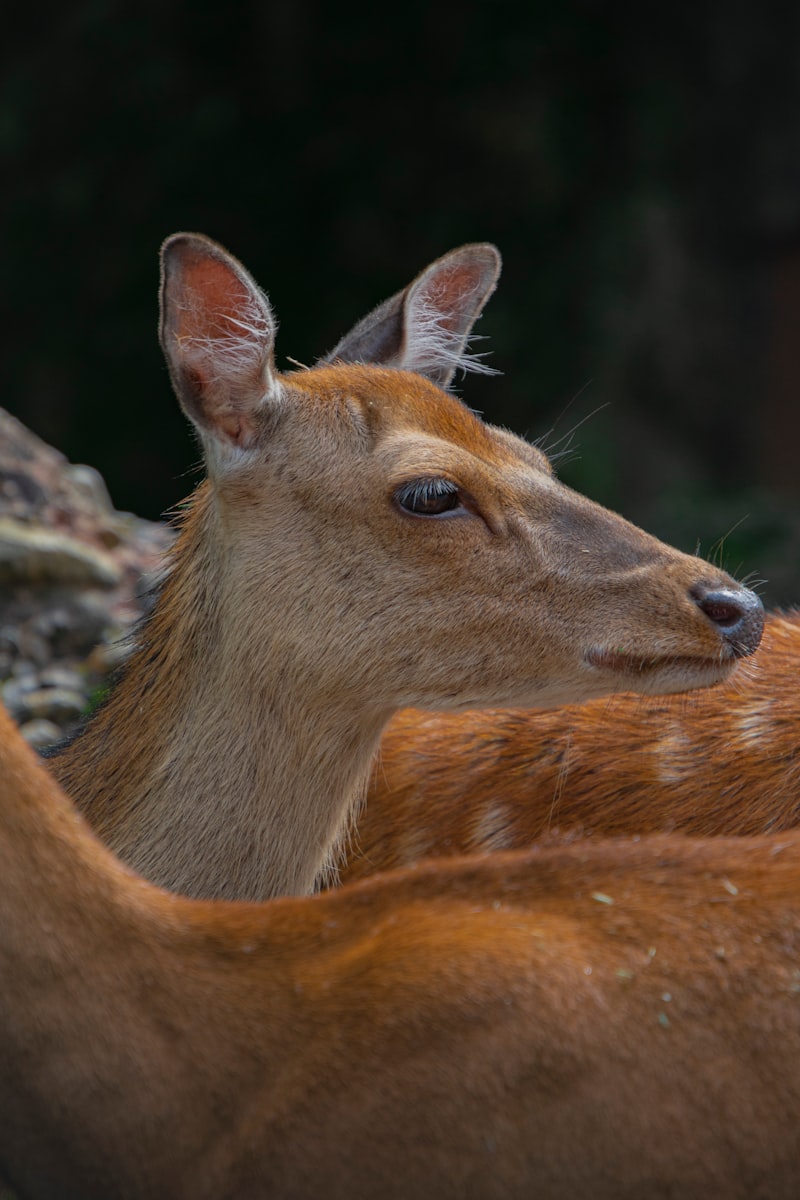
(75, 578)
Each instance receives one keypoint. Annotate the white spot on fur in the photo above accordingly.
(674, 756)
(493, 831)
(754, 723)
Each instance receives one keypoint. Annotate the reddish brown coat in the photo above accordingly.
(724, 760)
(613, 1020)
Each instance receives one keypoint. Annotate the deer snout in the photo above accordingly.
(737, 613)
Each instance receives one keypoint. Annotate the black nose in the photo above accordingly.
(737, 613)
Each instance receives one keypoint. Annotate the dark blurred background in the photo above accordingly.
(639, 168)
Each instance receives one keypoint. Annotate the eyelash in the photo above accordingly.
(431, 497)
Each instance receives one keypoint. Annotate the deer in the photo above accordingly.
(615, 1019)
(362, 543)
(714, 762)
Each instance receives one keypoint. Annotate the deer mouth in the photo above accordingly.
(634, 664)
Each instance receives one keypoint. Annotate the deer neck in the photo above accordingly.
(220, 766)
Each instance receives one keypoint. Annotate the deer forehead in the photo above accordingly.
(379, 400)
(389, 410)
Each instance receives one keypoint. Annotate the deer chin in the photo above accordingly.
(664, 673)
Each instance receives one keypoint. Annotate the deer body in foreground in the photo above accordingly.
(709, 763)
(363, 543)
(609, 1019)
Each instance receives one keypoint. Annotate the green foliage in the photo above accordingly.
(97, 697)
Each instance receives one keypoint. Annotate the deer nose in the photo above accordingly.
(737, 613)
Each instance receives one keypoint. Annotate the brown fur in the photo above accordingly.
(304, 607)
(712, 762)
(613, 1020)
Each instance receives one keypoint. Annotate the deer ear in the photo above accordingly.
(218, 333)
(426, 327)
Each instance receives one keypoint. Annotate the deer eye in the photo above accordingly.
(427, 497)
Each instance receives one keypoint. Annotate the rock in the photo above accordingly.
(14, 692)
(75, 577)
(41, 735)
(35, 556)
(90, 484)
(60, 705)
(72, 624)
(61, 677)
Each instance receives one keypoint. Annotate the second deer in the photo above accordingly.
(724, 761)
(611, 1020)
